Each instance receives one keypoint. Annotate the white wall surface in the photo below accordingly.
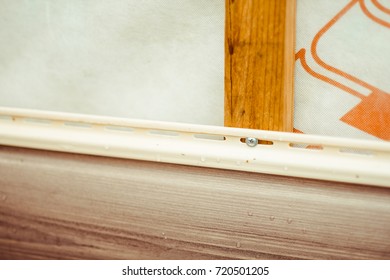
(151, 59)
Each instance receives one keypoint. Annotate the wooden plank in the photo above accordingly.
(259, 63)
(57, 205)
(289, 65)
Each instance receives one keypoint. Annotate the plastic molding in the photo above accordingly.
(288, 154)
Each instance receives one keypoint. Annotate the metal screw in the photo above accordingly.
(251, 141)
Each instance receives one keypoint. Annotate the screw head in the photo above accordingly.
(251, 141)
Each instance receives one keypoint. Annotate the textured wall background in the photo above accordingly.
(160, 59)
(342, 59)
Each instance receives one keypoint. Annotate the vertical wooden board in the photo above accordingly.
(259, 63)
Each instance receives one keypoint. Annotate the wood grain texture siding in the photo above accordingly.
(57, 205)
(259, 62)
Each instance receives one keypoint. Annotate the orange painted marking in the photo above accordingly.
(301, 56)
(380, 6)
(371, 16)
(297, 131)
(372, 115)
(316, 57)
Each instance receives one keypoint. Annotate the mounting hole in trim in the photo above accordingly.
(6, 118)
(210, 137)
(119, 128)
(356, 152)
(306, 146)
(164, 132)
(259, 142)
(37, 121)
(78, 124)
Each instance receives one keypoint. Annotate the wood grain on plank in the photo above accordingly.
(66, 206)
(259, 63)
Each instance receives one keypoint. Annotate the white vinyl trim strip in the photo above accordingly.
(289, 154)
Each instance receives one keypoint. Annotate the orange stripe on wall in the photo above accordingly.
(381, 7)
(301, 56)
(316, 57)
(371, 16)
